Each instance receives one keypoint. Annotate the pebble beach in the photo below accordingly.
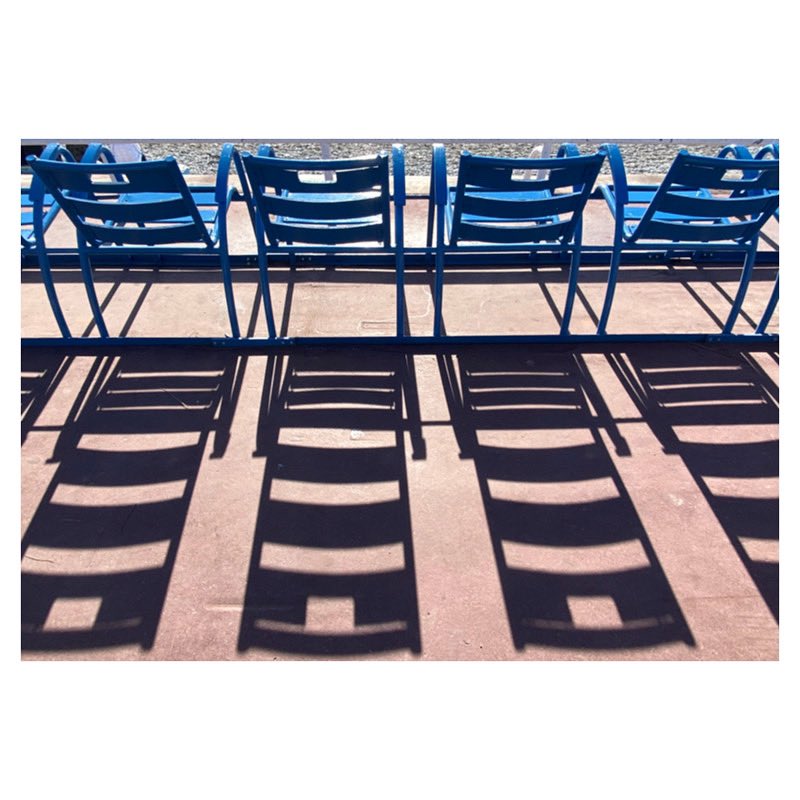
(201, 157)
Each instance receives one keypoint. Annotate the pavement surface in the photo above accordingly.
(474, 503)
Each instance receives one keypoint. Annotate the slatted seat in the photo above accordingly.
(491, 209)
(704, 203)
(332, 206)
(132, 205)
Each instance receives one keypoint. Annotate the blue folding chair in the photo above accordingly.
(137, 206)
(293, 214)
(699, 206)
(501, 212)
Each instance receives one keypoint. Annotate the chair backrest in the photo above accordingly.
(294, 207)
(740, 196)
(561, 195)
(138, 203)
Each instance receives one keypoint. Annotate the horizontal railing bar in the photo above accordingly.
(419, 343)
(415, 258)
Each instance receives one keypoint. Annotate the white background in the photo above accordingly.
(609, 70)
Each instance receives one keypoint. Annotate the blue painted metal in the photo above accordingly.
(491, 206)
(416, 258)
(698, 206)
(295, 212)
(418, 343)
(133, 207)
(770, 151)
(136, 214)
(48, 209)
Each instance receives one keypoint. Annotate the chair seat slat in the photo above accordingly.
(692, 232)
(123, 212)
(327, 235)
(511, 234)
(323, 207)
(538, 206)
(167, 234)
(714, 207)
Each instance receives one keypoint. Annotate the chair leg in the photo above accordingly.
(88, 282)
(400, 292)
(227, 282)
(768, 311)
(572, 287)
(437, 293)
(265, 293)
(612, 285)
(47, 279)
(744, 283)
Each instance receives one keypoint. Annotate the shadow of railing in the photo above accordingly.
(98, 553)
(576, 566)
(718, 410)
(332, 567)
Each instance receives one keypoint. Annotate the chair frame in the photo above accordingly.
(174, 196)
(532, 201)
(679, 201)
(48, 209)
(437, 255)
(327, 233)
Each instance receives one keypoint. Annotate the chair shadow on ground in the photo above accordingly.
(576, 566)
(718, 410)
(99, 551)
(41, 374)
(332, 567)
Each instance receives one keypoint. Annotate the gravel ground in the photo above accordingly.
(201, 157)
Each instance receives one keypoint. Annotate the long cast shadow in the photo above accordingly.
(99, 551)
(576, 566)
(718, 410)
(41, 374)
(332, 566)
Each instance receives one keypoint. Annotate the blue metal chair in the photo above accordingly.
(48, 210)
(490, 206)
(698, 207)
(139, 206)
(293, 214)
(770, 151)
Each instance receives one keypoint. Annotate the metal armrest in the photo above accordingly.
(619, 179)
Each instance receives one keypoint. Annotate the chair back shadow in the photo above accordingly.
(718, 410)
(41, 372)
(332, 568)
(576, 566)
(98, 553)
